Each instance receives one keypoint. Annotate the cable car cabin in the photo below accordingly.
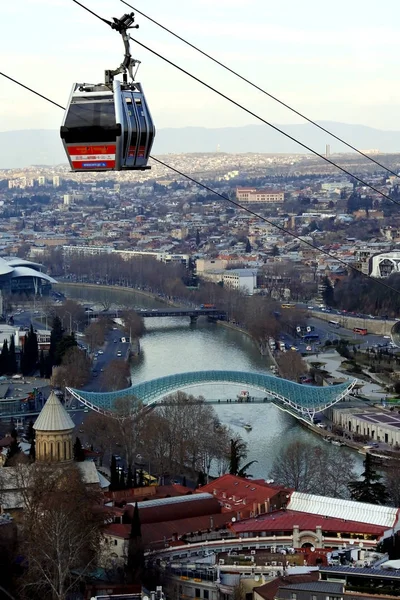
(107, 130)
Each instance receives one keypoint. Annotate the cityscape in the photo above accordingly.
(199, 321)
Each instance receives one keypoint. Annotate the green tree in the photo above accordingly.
(13, 450)
(198, 237)
(12, 359)
(42, 364)
(122, 485)
(5, 357)
(327, 292)
(135, 562)
(248, 246)
(238, 452)
(30, 354)
(55, 337)
(79, 453)
(30, 432)
(369, 489)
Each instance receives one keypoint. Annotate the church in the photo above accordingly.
(54, 445)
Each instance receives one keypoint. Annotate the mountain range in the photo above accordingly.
(43, 146)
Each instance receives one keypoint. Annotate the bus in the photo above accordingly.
(310, 337)
(334, 324)
(360, 330)
(288, 305)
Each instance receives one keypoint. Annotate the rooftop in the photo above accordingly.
(53, 416)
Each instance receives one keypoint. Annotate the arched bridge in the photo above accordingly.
(303, 400)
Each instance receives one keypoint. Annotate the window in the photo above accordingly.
(197, 593)
(293, 596)
(206, 594)
(115, 542)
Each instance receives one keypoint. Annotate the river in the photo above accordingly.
(172, 345)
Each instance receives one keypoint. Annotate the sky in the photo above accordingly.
(333, 61)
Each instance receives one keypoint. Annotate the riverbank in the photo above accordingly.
(264, 350)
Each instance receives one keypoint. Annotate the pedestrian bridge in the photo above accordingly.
(302, 400)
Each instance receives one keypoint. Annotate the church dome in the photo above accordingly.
(53, 416)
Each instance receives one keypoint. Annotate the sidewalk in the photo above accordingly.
(332, 362)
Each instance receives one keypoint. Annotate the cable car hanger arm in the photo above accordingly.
(121, 25)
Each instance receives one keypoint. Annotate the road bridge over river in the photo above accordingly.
(213, 314)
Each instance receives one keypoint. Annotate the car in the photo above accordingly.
(115, 341)
(119, 353)
(117, 457)
(310, 307)
(101, 352)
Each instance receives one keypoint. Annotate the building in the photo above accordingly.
(54, 429)
(378, 425)
(382, 265)
(248, 498)
(255, 196)
(241, 279)
(18, 276)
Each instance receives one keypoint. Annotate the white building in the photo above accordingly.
(237, 279)
(382, 265)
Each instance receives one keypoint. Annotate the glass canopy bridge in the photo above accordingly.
(304, 401)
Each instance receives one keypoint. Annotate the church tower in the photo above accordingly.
(54, 428)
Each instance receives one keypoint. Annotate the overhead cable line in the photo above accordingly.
(260, 89)
(244, 208)
(253, 114)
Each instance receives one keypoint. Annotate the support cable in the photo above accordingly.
(237, 204)
(250, 112)
(260, 89)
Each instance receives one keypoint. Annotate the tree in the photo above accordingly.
(115, 376)
(55, 337)
(392, 483)
(370, 489)
(32, 451)
(248, 246)
(133, 324)
(238, 452)
(74, 369)
(79, 453)
(315, 470)
(135, 562)
(13, 451)
(12, 359)
(328, 292)
(291, 365)
(62, 532)
(198, 237)
(42, 364)
(30, 353)
(122, 484)
(5, 357)
(30, 432)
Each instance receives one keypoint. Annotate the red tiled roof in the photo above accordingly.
(285, 520)
(156, 532)
(241, 492)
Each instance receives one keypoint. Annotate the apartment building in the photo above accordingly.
(255, 196)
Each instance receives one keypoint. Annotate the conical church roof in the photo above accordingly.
(53, 416)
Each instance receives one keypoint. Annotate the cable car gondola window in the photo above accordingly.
(90, 120)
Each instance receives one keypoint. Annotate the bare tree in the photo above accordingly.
(392, 483)
(61, 531)
(133, 323)
(74, 370)
(315, 470)
(115, 376)
(291, 365)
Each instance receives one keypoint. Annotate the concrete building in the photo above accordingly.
(245, 279)
(255, 196)
(382, 265)
(378, 425)
(19, 276)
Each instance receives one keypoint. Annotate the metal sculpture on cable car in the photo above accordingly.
(108, 127)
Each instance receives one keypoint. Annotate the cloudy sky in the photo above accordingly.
(335, 61)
